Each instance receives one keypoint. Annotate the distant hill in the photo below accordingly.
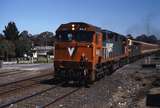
(43, 39)
(149, 39)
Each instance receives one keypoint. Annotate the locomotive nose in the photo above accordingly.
(70, 53)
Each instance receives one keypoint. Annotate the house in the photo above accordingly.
(42, 51)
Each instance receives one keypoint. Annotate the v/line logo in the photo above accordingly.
(71, 50)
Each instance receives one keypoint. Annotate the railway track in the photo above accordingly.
(7, 71)
(25, 79)
(60, 98)
(68, 91)
(11, 72)
(27, 97)
(24, 84)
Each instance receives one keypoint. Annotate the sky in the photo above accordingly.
(122, 16)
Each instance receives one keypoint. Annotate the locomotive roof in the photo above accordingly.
(78, 25)
(114, 33)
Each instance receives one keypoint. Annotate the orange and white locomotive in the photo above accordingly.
(84, 48)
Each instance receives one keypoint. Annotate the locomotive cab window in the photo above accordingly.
(69, 36)
(80, 36)
(83, 36)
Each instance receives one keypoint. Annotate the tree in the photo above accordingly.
(152, 39)
(145, 38)
(22, 47)
(11, 32)
(7, 49)
(24, 35)
(142, 37)
(23, 44)
(1, 36)
(43, 39)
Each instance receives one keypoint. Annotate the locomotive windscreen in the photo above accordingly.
(80, 36)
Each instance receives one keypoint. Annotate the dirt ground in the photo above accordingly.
(125, 88)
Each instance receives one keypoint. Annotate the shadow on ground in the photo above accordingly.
(54, 81)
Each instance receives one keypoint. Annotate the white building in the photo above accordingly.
(41, 50)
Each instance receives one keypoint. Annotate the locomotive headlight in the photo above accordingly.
(73, 27)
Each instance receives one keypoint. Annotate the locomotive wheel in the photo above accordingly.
(100, 72)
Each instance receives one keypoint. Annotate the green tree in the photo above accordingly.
(22, 47)
(21, 40)
(11, 32)
(23, 44)
(1, 37)
(7, 49)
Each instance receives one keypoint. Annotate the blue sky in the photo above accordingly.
(122, 16)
